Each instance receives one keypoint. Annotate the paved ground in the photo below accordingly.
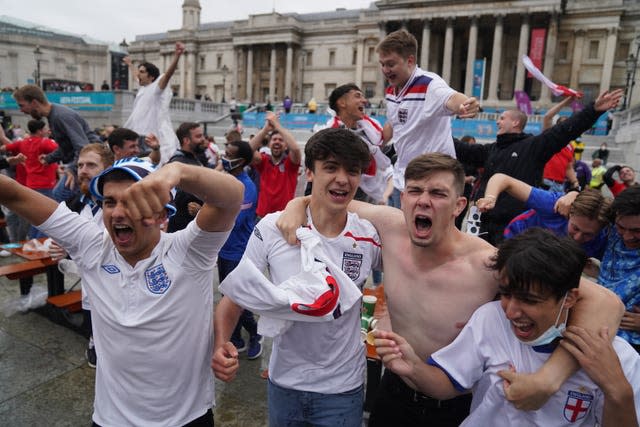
(46, 381)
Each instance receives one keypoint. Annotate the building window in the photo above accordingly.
(332, 57)
(369, 90)
(309, 58)
(219, 62)
(371, 54)
(594, 47)
(202, 62)
(563, 50)
(328, 88)
(354, 59)
(622, 51)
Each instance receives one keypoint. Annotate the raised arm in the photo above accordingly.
(608, 175)
(499, 183)
(547, 120)
(596, 307)
(133, 70)
(463, 106)
(220, 192)
(166, 77)
(295, 154)
(21, 200)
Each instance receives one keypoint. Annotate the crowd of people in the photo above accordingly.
(512, 279)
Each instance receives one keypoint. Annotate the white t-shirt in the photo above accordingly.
(150, 114)
(87, 212)
(152, 323)
(325, 357)
(487, 345)
(420, 119)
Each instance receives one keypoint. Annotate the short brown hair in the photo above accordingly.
(519, 116)
(102, 150)
(401, 42)
(426, 164)
(591, 204)
(30, 93)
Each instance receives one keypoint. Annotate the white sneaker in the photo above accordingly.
(5, 253)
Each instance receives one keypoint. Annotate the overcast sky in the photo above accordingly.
(111, 20)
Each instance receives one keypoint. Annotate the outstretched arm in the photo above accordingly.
(221, 193)
(398, 356)
(21, 200)
(166, 77)
(547, 120)
(597, 306)
(463, 106)
(499, 183)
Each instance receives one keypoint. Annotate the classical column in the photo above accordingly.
(234, 73)
(496, 59)
(448, 51)
(288, 72)
(182, 63)
(471, 56)
(359, 61)
(380, 83)
(426, 41)
(250, 73)
(272, 74)
(190, 89)
(576, 60)
(522, 50)
(549, 57)
(609, 56)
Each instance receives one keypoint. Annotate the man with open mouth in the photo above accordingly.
(151, 292)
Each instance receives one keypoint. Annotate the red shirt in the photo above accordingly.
(38, 176)
(277, 184)
(556, 167)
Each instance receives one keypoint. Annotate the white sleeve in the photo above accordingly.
(436, 98)
(196, 248)
(261, 238)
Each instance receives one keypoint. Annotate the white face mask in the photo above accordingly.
(554, 331)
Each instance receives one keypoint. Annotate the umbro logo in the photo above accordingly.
(514, 154)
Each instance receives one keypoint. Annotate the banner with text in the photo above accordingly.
(536, 48)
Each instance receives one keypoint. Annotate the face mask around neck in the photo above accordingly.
(554, 331)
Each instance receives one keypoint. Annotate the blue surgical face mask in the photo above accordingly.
(554, 331)
(230, 165)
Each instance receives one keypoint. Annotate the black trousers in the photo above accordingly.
(204, 421)
(397, 404)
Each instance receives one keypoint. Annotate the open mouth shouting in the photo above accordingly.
(522, 329)
(123, 234)
(339, 196)
(423, 224)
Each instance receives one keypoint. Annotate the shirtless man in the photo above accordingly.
(440, 280)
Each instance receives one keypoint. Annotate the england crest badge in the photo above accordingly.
(577, 405)
(157, 279)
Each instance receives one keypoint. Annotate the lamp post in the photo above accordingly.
(632, 66)
(225, 70)
(124, 45)
(37, 53)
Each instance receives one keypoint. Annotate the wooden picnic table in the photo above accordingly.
(37, 262)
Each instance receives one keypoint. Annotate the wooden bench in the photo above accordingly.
(26, 269)
(71, 301)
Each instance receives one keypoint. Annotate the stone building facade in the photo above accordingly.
(268, 56)
(63, 56)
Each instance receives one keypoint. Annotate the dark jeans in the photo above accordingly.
(246, 321)
(397, 404)
(204, 421)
